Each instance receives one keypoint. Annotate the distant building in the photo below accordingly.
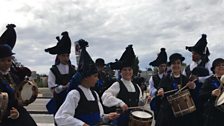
(33, 76)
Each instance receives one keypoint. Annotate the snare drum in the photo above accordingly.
(27, 93)
(220, 102)
(3, 104)
(140, 118)
(181, 103)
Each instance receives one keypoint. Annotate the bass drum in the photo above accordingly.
(3, 104)
(26, 93)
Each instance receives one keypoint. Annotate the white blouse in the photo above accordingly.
(63, 69)
(151, 87)
(65, 114)
(195, 64)
(109, 97)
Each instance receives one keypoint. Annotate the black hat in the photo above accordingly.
(200, 71)
(100, 62)
(82, 43)
(216, 62)
(128, 58)
(86, 65)
(115, 65)
(63, 46)
(175, 57)
(161, 59)
(9, 36)
(200, 47)
(5, 51)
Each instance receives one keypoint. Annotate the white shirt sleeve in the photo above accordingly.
(208, 67)
(51, 80)
(152, 89)
(65, 114)
(109, 97)
(184, 72)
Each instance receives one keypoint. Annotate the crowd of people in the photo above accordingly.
(92, 95)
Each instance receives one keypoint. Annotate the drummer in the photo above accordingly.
(161, 64)
(199, 68)
(209, 93)
(123, 93)
(82, 105)
(173, 81)
(16, 114)
(61, 72)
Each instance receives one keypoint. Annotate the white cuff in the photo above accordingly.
(58, 89)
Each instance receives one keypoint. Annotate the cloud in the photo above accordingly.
(109, 26)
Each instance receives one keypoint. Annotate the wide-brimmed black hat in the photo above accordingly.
(216, 62)
(63, 46)
(86, 65)
(200, 47)
(100, 62)
(9, 36)
(174, 57)
(161, 59)
(5, 51)
(200, 71)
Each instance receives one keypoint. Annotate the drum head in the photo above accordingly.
(220, 100)
(142, 114)
(27, 92)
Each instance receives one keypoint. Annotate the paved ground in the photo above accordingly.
(38, 110)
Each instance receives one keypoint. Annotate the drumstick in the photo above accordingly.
(166, 92)
(146, 101)
(184, 87)
(170, 91)
(135, 107)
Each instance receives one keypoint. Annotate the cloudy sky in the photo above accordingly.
(110, 25)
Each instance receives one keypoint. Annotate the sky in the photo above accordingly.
(111, 25)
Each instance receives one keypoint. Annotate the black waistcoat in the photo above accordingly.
(130, 98)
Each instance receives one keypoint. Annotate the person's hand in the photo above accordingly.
(14, 114)
(160, 92)
(191, 85)
(148, 98)
(66, 86)
(193, 77)
(113, 115)
(124, 107)
(216, 92)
